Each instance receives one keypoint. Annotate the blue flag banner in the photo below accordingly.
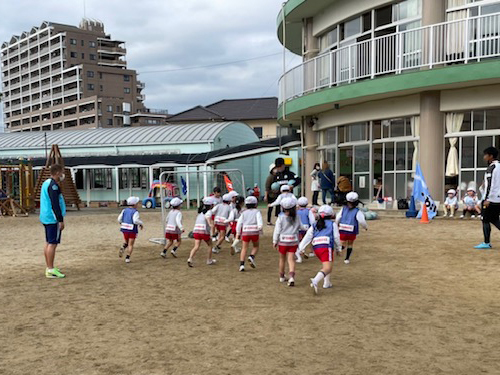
(184, 186)
(421, 194)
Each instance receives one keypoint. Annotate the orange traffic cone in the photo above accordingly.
(425, 215)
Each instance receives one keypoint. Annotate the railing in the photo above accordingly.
(460, 41)
(153, 111)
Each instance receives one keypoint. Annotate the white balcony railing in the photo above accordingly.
(461, 41)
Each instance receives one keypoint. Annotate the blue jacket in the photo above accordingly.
(326, 179)
(52, 205)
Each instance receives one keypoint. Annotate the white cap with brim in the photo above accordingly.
(284, 188)
(251, 200)
(452, 191)
(208, 201)
(302, 201)
(233, 194)
(352, 197)
(176, 202)
(132, 201)
(226, 198)
(325, 210)
(288, 203)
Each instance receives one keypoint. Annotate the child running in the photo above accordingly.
(233, 221)
(349, 219)
(285, 193)
(234, 196)
(248, 230)
(221, 214)
(203, 227)
(129, 223)
(325, 238)
(307, 219)
(286, 238)
(216, 199)
(173, 228)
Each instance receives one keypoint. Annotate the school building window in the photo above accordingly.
(135, 178)
(126, 90)
(101, 178)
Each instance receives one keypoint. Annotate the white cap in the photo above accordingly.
(325, 210)
(132, 201)
(271, 167)
(302, 201)
(176, 202)
(208, 201)
(251, 200)
(288, 203)
(226, 198)
(233, 194)
(452, 191)
(352, 197)
(284, 188)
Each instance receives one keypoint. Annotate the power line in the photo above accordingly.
(209, 66)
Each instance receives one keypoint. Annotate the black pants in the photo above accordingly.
(315, 198)
(490, 216)
(270, 210)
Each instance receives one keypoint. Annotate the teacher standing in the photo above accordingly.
(315, 187)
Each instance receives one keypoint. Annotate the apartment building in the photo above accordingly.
(386, 84)
(59, 76)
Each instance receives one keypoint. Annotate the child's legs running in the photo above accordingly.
(130, 247)
(255, 248)
(222, 236)
(168, 244)
(291, 263)
(209, 243)
(282, 265)
(244, 249)
(195, 249)
(349, 245)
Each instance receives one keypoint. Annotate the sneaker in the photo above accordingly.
(215, 250)
(233, 250)
(252, 262)
(327, 286)
(314, 286)
(211, 262)
(214, 239)
(299, 258)
(270, 224)
(190, 262)
(163, 254)
(54, 274)
(227, 239)
(462, 216)
(312, 255)
(291, 281)
(238, 250)
(283, 280)
(472, 216)
(242, 268)
(347, 261)
(127, 260)
(122, 250)
(174, 253)
(483, 246)
(451, 215)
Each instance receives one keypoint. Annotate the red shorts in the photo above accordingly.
(173, 236)
(347, 237)
(233, 227)
(324, 254)
(287, 249)
(250, 238)
(221, 227)
(129, 236)
(201, 236)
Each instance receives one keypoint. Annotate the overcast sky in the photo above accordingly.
(177, 34)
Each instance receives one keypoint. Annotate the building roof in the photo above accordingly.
(231, 110)
(187, 133)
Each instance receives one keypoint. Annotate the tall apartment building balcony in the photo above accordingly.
(463, 41)
(111, 62)
(141, 85)
(112, 50)
(141, 97)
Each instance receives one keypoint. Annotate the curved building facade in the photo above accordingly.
(384, 84)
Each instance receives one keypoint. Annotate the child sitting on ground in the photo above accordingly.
(129, 223)
(451, 203)
(470, 204)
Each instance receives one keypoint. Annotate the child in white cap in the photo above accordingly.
(307, 219)
(173, 228)
(221, 214)
(285, 193)
(286, 238)
(203, 228)
(248, 230)
(451, 203)
(470, 204)
(348, 220)
(129, 223)
(324, 236)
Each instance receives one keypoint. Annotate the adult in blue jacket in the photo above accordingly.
(52, 212)
(327, 182)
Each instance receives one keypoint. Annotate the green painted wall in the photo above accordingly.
(402, 84)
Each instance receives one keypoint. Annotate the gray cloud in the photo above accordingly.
(173, 34)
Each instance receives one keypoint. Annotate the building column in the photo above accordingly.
(309, 156)
(433, 11)
(431, 147)
(310, 43)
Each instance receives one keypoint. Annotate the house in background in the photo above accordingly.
(259, 113)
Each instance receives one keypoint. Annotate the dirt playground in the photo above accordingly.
(416, 299)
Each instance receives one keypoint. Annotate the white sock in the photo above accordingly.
(235, 242)
(327, 280)
(317, 279)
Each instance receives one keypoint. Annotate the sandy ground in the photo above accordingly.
(416, 299)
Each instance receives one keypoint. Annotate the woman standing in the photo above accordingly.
(327, 182)
(315, 188)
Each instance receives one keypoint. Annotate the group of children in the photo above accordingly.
(296, 228)
(472, 204)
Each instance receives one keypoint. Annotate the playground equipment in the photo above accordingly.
(203, 182)
(68, 187)
(16, 188)
(154, 197)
